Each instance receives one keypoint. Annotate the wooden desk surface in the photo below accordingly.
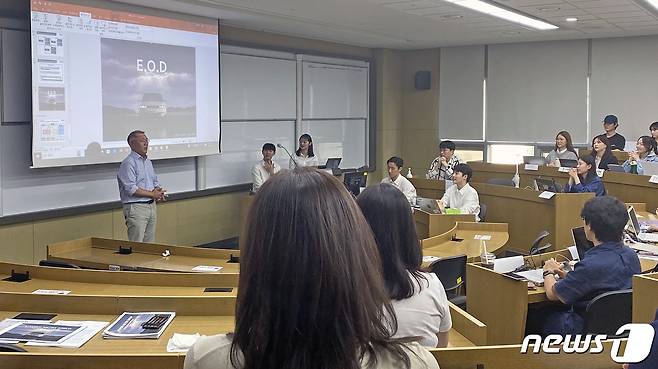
(444, 246)
(645, 303)
(101, 253)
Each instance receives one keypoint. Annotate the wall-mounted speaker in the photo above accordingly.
(423, 80)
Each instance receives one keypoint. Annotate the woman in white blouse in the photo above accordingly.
(304, 156)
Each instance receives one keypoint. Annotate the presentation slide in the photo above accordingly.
(101, 70)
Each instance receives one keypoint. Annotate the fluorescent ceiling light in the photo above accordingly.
(500, 12)
(653, 3)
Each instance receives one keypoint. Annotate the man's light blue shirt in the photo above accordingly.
(136, 172)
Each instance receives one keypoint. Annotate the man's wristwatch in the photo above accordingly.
(547, 273)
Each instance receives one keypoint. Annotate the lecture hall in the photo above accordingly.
(344, 184)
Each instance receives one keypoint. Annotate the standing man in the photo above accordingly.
(610, 125)
(394, 178)
(139, 190)
(443, 165)
(262, 171)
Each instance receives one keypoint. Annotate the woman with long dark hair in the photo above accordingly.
(583, 178)
(563, 149)
(311, 288)
(419, 299)
(602, 152)
(304, 155)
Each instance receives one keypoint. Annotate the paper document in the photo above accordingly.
(206, 268)
(505, 265)
(546, 195)
(535, 276)
(131, 325)
(36, 331)
(89, 330)
(51, 292)
(484, 237)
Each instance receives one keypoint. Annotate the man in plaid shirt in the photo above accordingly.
(441, 167)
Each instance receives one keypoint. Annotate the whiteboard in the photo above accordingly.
(257, 88)
(29, 190)
(241, 150)
(334, 91)
(345, 139)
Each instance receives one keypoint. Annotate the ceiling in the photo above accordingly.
(414, 24)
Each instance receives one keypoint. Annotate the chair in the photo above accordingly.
(501, 182)
(452, 274)
(609, 311)
(535, 248)
(483, 212)
(58, 264)
(7, 347)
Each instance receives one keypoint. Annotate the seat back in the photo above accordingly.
(58, 264)
(451, 271)
(483, 212)
(501, 182)
(609, 311)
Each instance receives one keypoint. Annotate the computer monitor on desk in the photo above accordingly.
(354, 181)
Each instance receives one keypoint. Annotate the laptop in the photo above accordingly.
(636, 228)
(581, 241)
(568, 163)
(544, 184)
(536, 160)
(428, 205)
(332, 163)
(650, 168)
(616, 168)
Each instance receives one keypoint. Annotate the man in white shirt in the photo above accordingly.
(394, 178)
(461, 196)
(262, 171)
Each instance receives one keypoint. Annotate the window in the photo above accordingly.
(469, 155)
(509, 154)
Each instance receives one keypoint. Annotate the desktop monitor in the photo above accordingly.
(581, 241)
(536, 160)
(354, 181)
(543, 184)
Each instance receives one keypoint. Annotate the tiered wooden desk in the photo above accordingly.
(502, 303)
(101, 253)
(645, 297)
(444, 245)
(106, 283)
(429, 224)
(624, 186)
(204, 315)
(526, 213)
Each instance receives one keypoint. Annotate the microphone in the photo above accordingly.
(287, 152)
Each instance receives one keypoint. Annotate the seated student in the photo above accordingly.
(264, 168)
(583, 178)
(602, 153)
(299, 305)
(610, 125)
(461, 196)
(563, 149)
(419, 300)
(608, 266)
(394, 178)
(304, 155)
(645, 150)
(653, 128)
(442, 166)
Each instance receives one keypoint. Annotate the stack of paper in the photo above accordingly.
(130, 325)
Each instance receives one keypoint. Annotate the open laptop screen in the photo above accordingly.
(581, 241)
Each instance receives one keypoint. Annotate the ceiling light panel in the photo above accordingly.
(503, 13)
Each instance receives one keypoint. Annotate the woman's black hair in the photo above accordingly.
(388, 213)
(308, 138)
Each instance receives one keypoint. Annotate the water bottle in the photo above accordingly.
(516, 179)
(409, 175)
(486, 258)
(634, 167)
